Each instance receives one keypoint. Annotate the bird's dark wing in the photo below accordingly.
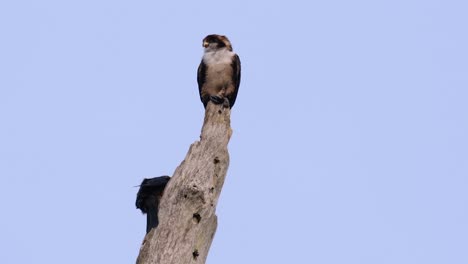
(150, 188)
(236, 78)
(156, 182)
(201, 77)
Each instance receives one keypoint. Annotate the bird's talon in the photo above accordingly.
(226, 103)
(216, 99)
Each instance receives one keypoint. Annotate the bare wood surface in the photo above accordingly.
(187, 219)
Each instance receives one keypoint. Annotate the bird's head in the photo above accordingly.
(215, 42)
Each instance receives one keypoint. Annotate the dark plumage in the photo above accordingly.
(219, 73)
(148, 197)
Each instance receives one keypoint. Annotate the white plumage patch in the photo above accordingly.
(221, 56)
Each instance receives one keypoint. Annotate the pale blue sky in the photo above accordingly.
(350, 139)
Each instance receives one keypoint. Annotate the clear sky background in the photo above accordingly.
(350, 139)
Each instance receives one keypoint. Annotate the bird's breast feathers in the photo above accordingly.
(223, 56)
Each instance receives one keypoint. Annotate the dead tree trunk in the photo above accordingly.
(187, 219)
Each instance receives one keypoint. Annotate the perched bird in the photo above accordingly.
(219, 73)
(148, 197)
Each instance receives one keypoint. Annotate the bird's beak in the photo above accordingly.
(205, 44)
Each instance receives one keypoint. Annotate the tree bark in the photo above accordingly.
(187, 219)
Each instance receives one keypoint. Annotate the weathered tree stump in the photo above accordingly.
(187, 219)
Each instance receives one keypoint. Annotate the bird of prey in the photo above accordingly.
(148, 197)
(219, 73)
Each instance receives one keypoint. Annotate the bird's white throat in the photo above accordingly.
(221, 56)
